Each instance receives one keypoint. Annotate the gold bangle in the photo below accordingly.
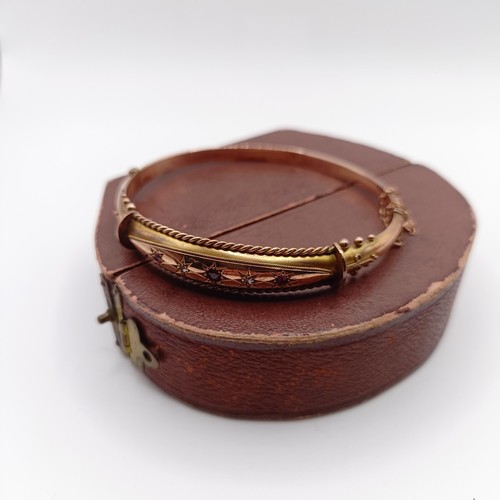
(249, 268)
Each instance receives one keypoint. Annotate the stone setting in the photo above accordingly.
(157, 256)
(182, 266)
(213, 274)
(248, 279)
(282, 279)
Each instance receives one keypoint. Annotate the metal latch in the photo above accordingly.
(126, 330)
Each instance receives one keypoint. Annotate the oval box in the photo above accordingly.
(306, 354)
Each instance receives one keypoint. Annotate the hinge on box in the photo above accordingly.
(126, 330)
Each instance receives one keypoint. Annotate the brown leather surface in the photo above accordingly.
(278, 358)
(289, 382)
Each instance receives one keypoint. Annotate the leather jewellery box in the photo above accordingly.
(306, 353)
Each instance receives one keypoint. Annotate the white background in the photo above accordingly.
(92, 88)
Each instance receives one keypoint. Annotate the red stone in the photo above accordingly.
(282, 280)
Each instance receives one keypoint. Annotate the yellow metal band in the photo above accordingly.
(251, 268)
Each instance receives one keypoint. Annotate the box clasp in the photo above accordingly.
(126, 330)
